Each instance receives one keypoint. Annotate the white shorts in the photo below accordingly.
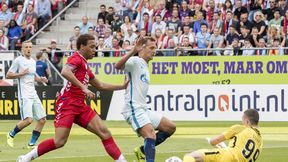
(140, 117)
(31, 107)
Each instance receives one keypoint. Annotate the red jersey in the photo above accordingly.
(82, 73)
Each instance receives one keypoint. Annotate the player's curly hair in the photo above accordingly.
(252, 115)
(83, 40)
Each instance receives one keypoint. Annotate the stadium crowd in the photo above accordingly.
(177, 25)
(20, 19)
(187, 24)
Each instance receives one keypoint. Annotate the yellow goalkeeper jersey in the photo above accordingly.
(245, 142)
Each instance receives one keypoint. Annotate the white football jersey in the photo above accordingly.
(136, 92)
(26, 86)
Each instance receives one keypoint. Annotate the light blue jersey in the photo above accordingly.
(26, 86)
(29, 102)
(135, 110)
(136, 92)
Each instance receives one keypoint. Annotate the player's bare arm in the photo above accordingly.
(41, 79)
(121, 63)
(216, 140)
(106, 86)
(68, 74)
(11, 75)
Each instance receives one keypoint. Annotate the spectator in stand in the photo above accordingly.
(202, 39)
(186, 23)
(14, 34)
(244, 21)
(278, 47)
(2, 26)
(233, 49)
(226, 7)
(231, 35)
(44, 12)
(158, 24)
(116, 48)
(116, 24)
(187, 33)
(127, 24)
(239, 9)
(103, 13)
(198, 22)
(19, 14)
(184, 11)
(184, 47)
(269, 12)
(244, 34)
(101, 46)
(4, 42)
(85, 25)
(5, 14)
(169, 42)
(259, 23)
(131, 37)
(108, 38)
(174, 23)
(261, 44)
(73, 39)
(254, 37)
(162, 11)
(57, 6)
(30, 22)
(254, 6)
(198, 8)
(276, 22)
(127, 8)
(283, 7)
(284, 24)
(248, 52)
(144, 7)
(127, 46)
(216, 41)
(92, 32)
(42, 68)
(159, 38)
(210, 11)
(12, 4)
(55, 55)
(216, 22)
(228, 22)
(100, 27)
(273, 33)
(110, 16)
(145, 23)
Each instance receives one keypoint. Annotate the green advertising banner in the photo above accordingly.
(202, 70)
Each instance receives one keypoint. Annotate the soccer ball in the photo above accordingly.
(173, 159)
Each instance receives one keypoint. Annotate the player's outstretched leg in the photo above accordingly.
(97, 127)
(61, 136)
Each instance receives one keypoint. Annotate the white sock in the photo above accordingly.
(121, 159)
(33, 154)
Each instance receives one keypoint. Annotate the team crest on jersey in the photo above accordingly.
(144, 78)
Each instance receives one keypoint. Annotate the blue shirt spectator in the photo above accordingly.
(5, 14)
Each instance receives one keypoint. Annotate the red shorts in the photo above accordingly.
(69, 111)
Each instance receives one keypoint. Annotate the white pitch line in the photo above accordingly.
(102, 155)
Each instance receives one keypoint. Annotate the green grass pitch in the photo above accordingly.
(84, 146)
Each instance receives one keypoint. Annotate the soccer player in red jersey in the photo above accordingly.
(71, 108)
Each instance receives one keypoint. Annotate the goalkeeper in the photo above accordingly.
(245, 143)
